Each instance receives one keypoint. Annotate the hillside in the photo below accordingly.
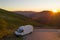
(48, 18)
(9, 22)
(43, 16)
(26, 13)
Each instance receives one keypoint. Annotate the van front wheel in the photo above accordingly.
(30, 32)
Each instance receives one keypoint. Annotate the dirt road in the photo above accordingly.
(44, 34)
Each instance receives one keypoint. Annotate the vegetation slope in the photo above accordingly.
(10, 21)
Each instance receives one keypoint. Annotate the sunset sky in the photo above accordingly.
(29, 5)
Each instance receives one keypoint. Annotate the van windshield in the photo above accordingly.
(20, 30)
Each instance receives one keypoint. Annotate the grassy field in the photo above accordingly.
(10, 21)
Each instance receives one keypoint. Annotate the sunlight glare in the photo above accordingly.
(55, 11)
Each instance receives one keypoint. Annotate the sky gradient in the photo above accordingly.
(29, 5)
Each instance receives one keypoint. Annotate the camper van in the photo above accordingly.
(23, 30)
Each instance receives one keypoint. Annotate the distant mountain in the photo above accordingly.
(26, 13)
(43, 16)
(48, 18)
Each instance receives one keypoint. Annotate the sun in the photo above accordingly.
(55, 11)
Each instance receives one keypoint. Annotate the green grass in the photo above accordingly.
(9, 22)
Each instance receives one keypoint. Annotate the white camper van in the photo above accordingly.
(23, 30)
